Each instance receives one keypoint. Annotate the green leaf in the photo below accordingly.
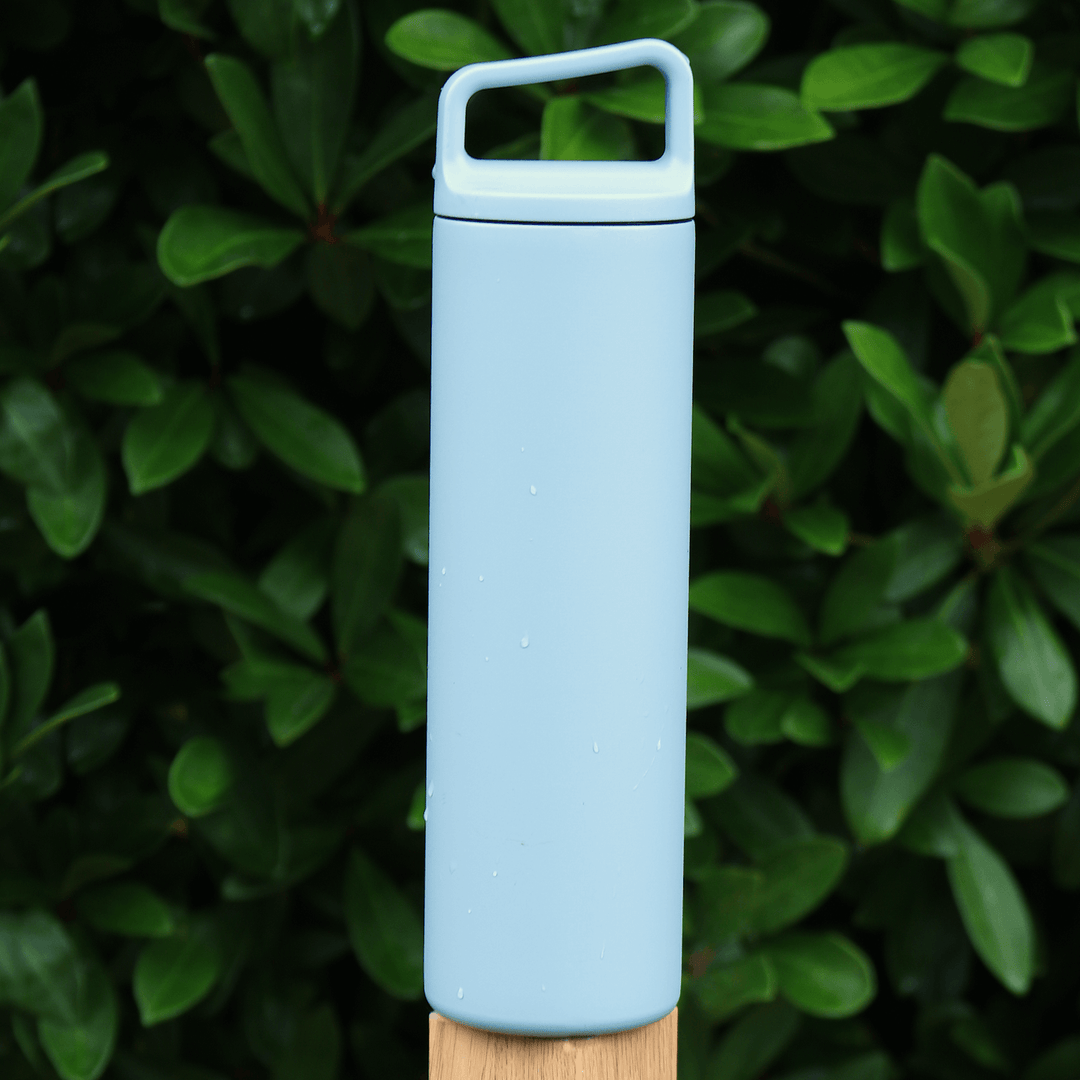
(199, 243)
(954, 223)
(750, 116)
(988, 14)
(32, 657)
(89, 700)
(796, 879)
(1058, 1063)
(306, 438)
(806, 723)
(716, 312)
(978, 416)
(985, 503)
(836, 400)
(1001, 58)
(1065, 852)
(723, 39)
(1041, 320)
(1055, 412)
(411, 493)
(889, 745)
(824, 528)
(1054, 563)
(410, 127)
(297, 697)
(172, 975)
(21, 124)
(238, 596)
(642, 98)
(443, 40)
(78, 168)
(877, 802)
(868, 76)
(126, 907)
(750, 602)
(993, 909)
(50, 451)
(1012, 787)
(884, 360)
(712, 679)
(340, 282)
(573, 130)
(1034, 665)
(312, 92)
(912, 649)
(718, 466)
(316, 15)
(297, 578)
(825, 975)
(385, 931)
(754, 1041)
(367, 564)
(388, 669)
(402, 237)
(165, 441)
(243, 100)
(853, 601)
(901, 245)
(755, 718)
(1039, 102)
(536, 26)
(709, 768)
(759, 817)
(631, 19)
(200, 776)
(723, 991)
(1055, 233)
(40, 970)
(82, 1050)
(116, 377)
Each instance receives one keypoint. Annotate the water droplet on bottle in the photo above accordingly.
(525, 642)
(431, 789)
(460, 992)
(523, 449)
(657, 744)
(542, 986)
(494, 873)
(481, 577)
(602, 950)
(444, 569)
(425, 815)
(532, 488)
(487, 657)
(470, 911)
(595, 748)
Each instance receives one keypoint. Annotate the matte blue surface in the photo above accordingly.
(555, 771)
(561, 396)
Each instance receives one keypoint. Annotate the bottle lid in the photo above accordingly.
(568, 191)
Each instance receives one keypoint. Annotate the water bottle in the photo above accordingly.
(561, 376)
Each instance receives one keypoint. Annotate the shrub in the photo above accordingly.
(215, 348)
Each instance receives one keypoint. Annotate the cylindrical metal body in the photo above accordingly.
(557, 622)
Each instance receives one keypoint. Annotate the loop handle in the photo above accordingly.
(594, 191)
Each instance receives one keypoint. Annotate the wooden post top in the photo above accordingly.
(459, 1052)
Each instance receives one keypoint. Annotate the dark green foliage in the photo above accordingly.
(215, 251)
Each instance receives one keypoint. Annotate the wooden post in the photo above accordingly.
(459, 1052)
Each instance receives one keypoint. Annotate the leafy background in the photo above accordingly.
(215, 226)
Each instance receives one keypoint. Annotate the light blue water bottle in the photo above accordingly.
(561, 372)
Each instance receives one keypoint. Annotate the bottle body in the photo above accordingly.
(562, 366)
